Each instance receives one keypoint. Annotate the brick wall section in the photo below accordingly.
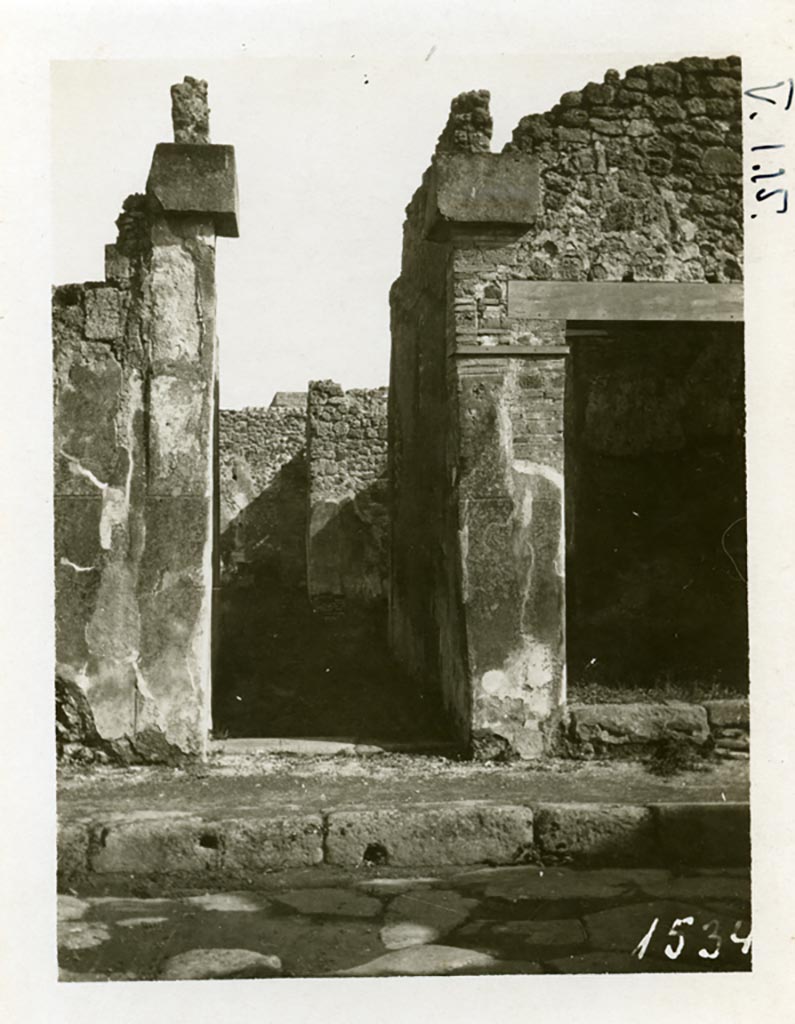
(263, 487)
(346, 454)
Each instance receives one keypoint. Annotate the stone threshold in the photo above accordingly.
(327, 746)
(225, 850)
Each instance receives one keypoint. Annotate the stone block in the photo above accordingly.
(104, 320)
(613, 726)
(177, 534)
(596, 834)
(707, 835)
(88, 403)
(728, 713)
(77, 575)
(721, 160)
(664, 79)
(179, 437)
(175, 320)
(482, 188)
(73, 838)
(154, 843)
(468, 833)
(117, 266)
(194, 180)
(272, 844)
(174, 661)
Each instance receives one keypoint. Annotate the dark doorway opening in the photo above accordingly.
(287, 665)
(656, 504)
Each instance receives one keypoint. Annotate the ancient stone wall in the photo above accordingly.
(347, 522)
(635, 179)
(135, 361)
(641, 177)
(263, 487)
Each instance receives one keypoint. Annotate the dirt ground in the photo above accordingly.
(229, 782)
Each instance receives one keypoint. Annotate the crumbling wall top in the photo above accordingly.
(469, 126)
(190, 113)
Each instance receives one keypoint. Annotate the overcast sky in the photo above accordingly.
(329, 152)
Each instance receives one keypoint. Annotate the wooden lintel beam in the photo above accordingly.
(630, 300)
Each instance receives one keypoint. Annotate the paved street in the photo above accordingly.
(322, 922)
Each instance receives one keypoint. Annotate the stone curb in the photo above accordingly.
(155, 844)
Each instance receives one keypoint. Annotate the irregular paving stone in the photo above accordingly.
(617, 725)
(700, 888)
(67, 975)
(705, 834)
(197, 964)
(622, 929)
(467, 833)
(82, 934)
(340, 902)
(508, 967)
(228, 902)
(70, 908)
(562, 883)
(129, 904)
(563, 932)
(604, 963)
(393, 885)
(314, 946)
(596, 833)
(441, 910)
(407, 933)
(141, 922)
(421, 960)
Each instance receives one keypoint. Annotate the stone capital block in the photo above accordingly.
(190, 179)
(480, 189)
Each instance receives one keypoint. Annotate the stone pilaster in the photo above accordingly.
(136, 366)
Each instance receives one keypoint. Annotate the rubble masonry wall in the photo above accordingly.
(347, 522)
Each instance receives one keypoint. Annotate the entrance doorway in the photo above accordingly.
(656, 502)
